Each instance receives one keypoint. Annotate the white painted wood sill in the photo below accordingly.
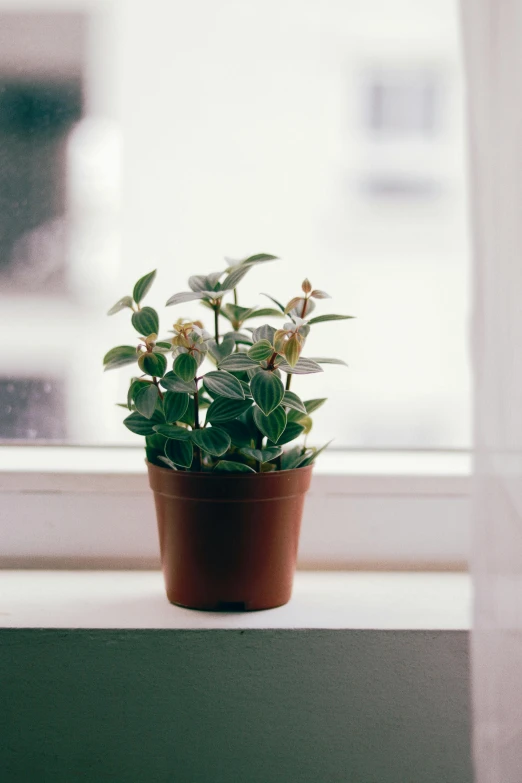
(329, 600)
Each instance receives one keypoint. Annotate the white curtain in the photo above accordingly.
(492, 31)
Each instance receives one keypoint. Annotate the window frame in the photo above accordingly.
(365, 510)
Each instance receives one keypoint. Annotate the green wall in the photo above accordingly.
(229, 706)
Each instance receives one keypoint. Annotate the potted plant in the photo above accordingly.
(220, 422)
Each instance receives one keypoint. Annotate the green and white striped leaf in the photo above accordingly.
(185, 367)
(263, 455)
(184, 296)
(142, 286)
(303, 367)
(322, 360)
(146, 321)
(140, 425)
(292, 458)
(272, 425)
(319, 319)
(291, 400)
(171, 382)
(237, 362)
(145, 399)
(228, 466)
(121, 304)
(223, 384)
(172, 431)
(259, 258)
(261, 350)
(175, 405)
(264, 332)
(292, 431)
(213, 440)
(267, 391)
(225, 409)
(119, 357)
(180, 452)
(235, 276)
(153, 364)
(223, 349)
(264, 312)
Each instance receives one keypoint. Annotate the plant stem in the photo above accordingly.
(259, 467)
(197, 451)
(235, 296)
(288, 382)
(278, 463)
(156, 384)
(216, 323)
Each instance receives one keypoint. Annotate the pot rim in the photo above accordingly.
(225, 475)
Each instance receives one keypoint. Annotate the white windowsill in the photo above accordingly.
(136, 599)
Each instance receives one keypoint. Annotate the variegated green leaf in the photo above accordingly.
(121, 304)
(223, 384)
(213, 440)
(225, 409)
(146, 321)
(153, 364)
(142, 287)
(228, 466)
(291, 400)
(180, 452)
(267, 390)
(145, 399)
(175, 405)
(272, 425)
(185, 367)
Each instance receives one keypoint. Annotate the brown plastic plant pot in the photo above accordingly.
(228, 542)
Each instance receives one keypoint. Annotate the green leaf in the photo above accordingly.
(201, 283)
(309, 460)
(292, 431)
(237, 362)
(303, 367)
(145, 399)
(235, 276)
(228, 466)
(239, 337)
(140, 424)
(267, 390)
(265, 311)
(213, 440)
(264, 332)
(172, 431)
(291, 400)
(291, 458)
(240, 434)
(155, 441)
(185, 367)
(223, 384)
(121, 304)
(223, 349)
(259, 258)
(313, 405)
(171, 382)
(263, 455)
(142, 286)
(224, 409)
(164, 345)
(120, 356)
(261, 350)
(236, 313)
(319, 319)
(133, 389)
(322, 360)
(278, 304)
(272, 425)
(180, 452)
(146, 321)
(175, 405)
(185, 296)
(153, 364)
(292, 350)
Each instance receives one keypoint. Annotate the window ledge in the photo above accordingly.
(326, 600)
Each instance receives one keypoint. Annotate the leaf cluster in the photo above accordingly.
(237, 415)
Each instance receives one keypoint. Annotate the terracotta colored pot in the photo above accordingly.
(229, 541)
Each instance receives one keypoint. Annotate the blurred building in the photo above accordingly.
(328, 133)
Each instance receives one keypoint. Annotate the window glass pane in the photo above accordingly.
(170, 135)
